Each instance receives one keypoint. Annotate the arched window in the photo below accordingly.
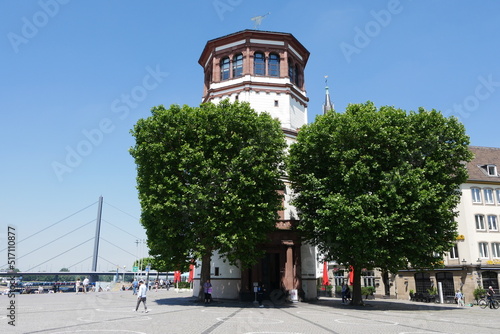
(296, 81)
(488, 196)
(480, 225)
(291, 70)
(259, 64)
(495, 249)
(492, 223)
(224, 68)
(483, 250)
(446, 280)
(274, 65)
(237, 65)
(476, 195)
(422, 282)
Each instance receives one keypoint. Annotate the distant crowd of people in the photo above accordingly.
(156, 284)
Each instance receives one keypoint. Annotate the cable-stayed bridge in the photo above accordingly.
(93, 239)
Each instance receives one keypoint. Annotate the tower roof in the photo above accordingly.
(256, 35)
(328, 105)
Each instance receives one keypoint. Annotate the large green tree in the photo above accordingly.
(379, 187)
(208, 180)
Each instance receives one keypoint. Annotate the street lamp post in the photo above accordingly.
(137, 260)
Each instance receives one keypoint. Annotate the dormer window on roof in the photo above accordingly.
(491, 170)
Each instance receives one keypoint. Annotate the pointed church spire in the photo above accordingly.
(328, 105)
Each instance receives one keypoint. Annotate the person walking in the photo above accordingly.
(141, 296)
(345, 293)
(460, 298)
(135, 285)
(207, 289)
(85, 284)
(261, 290)
(77, 285)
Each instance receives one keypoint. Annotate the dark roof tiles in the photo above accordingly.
(483, 156)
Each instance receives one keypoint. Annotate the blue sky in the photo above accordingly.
(77, 75)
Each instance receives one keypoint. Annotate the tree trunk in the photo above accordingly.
(387, 284)
(205, 273)
(357, 298)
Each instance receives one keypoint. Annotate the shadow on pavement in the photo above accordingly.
(370, 305)
(386, 305)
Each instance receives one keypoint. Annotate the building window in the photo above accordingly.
(454, 252)
(291, 71)
(492, 223)
(224, 69)
(490, 278)
(483, 250)
(492, 170)
(259, 64)
(276, 103)
(488, 196)
(446, 280)
(338, 277)
(300, 79)
(476, 195)
(217, 271)
(238, 65)
(498, 195)
(495, 249)
(274, 65)
(422, 282)
(368, 278)
(480, 223)
(297, 75)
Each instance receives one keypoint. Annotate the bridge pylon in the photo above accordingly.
(95, 277)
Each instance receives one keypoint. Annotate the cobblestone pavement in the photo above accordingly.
(178, 312)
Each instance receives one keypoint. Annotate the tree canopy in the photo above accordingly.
(159, 264)
(379, 187)
(208, 179)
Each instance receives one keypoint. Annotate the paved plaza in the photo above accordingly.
(178, 312)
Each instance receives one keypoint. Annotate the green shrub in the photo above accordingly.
(479, 293)
(184, 285)
(325, 287)
(367, 290)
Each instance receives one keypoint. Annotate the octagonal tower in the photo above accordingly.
(263, 68)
